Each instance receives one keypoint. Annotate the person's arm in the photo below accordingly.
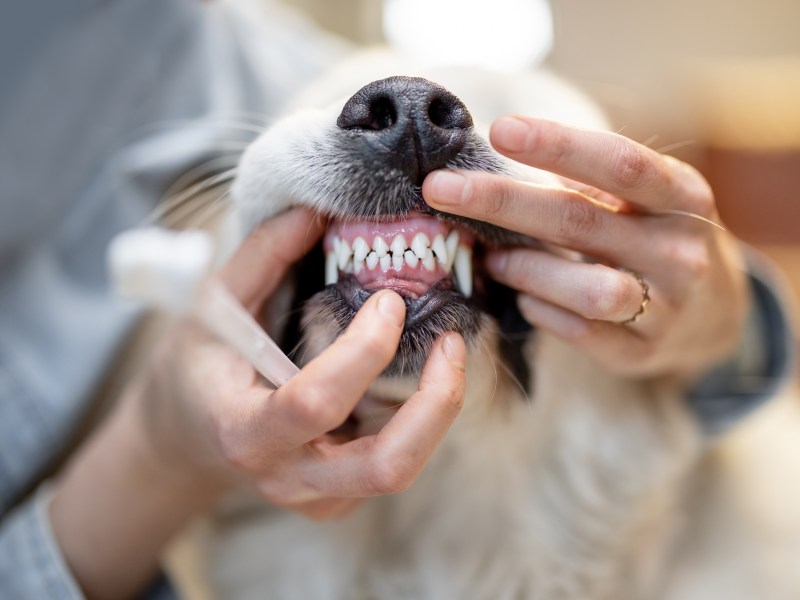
(199, 422)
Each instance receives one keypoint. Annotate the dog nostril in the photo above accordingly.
(383, 113)
(448, 114)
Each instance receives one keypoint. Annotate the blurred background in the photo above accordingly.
(715, 83)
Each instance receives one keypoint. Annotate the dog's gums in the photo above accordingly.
(407, 255)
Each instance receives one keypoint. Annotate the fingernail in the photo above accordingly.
(497, 262)
(455, 351)
(510, 134)
(391, 306)
(446, 187)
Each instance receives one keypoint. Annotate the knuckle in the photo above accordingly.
(318, 405)
(578, 220)
(631, 166)
(494, 195)
(692, 259)
(389, 476)
(234, 447)
(559, 144)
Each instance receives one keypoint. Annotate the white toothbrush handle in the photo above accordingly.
(225, 317)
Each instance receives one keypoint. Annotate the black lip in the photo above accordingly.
(418, 309)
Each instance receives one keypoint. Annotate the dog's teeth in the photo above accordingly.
(452, 245)
(420, 244)
(463, 270)
(380, 246)
(411, 259)
(398, 246)
(428, 261)
(440, 250)
(331, 269)
(372, 260)
(386, 262)
(397, 260)
(360, 249)
(343, 254)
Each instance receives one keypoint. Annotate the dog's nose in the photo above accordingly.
(409, 123)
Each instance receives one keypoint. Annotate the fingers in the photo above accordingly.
(593, 291)
(606, 161)
(621, 349)
(391, 460)
(324, 393)
(263, 258)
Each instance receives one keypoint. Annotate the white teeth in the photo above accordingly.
(343, 254)
(462, 267)
(428, 261)
(360, 249)
(446, 251)
(380, 246)
(440, 250)
(331, 269)
(411, 259)
(399, 245)
(419, 245)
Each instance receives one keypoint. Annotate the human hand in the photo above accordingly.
(211, 418)
(622, 206)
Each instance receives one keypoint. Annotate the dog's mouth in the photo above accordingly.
(426, 261)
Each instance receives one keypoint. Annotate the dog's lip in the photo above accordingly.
(417, 309)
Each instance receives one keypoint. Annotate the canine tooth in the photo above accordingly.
(411, 259)
(386, 262)
(420, 244)
(380, 246)
(331, 269)
(397, 260)
(360, 249)
(399, 245)
(440, 249)
(452, 246)
(372, 260)
(428, 261)
(463, 270)
(357, 266)
(344, 254)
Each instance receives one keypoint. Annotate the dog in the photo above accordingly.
(559, 479)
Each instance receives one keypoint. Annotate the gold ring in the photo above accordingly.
(645, 298)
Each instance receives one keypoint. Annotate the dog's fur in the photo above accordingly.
(574, 489)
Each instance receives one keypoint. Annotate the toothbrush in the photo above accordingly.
(170, 270)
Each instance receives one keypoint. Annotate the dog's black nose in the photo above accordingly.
(408, 123)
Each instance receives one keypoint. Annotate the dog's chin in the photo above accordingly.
(439, 310)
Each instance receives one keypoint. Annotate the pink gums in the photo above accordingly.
(407, 281)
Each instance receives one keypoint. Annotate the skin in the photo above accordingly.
(613, 208)
(198, 422)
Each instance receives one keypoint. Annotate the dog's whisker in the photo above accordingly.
(195, 177)
(176, 203)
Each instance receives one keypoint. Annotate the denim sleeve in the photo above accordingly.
(762, 365)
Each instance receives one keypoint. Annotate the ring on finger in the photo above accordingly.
(645, 298)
